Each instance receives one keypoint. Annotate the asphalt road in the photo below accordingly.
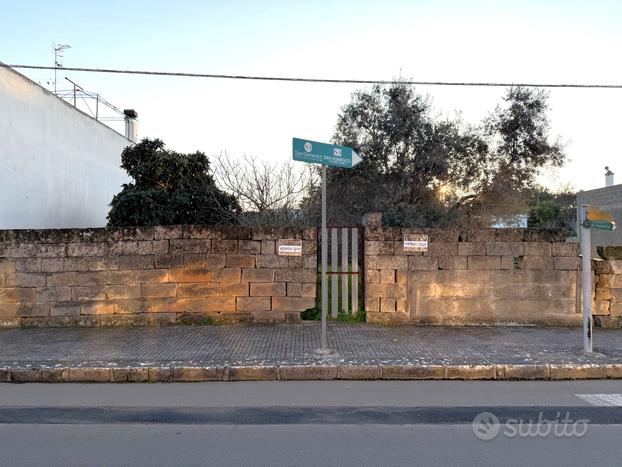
(311, 423)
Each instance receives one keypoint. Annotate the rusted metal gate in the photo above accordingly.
(345, 270)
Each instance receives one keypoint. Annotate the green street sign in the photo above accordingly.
(602, 225)
(327, 154)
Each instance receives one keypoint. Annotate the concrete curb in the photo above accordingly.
(287, 372)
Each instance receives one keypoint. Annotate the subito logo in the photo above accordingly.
(308, 147)
(486, 426)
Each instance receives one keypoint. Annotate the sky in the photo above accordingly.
(541, 41)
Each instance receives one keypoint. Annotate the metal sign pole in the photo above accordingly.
(586, 267)
(323, 342)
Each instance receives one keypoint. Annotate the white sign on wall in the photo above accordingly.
(415, 242)
(289, 247)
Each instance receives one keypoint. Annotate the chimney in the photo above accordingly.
(131, 124)
(608, 177)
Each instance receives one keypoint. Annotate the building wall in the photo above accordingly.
(492, 276)
(609, 199)
(153, 275)
(58, 167)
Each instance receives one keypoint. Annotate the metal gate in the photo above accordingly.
(345, 270)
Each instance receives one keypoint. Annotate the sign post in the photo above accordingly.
(334, 156)
(590, 217)
(586, 280)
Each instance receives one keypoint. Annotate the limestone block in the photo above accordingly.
(294, 289)
(272, 261)
(215, 260)
(190, 275)
(224, 246)
(452, 262)
(268, 290)
(504, 248)
(387, 276)
(26, 279)
(537, 262)
(309, 289)
(372, 304)
(211, 304)
(484, 262)
(249, 247)
(236, 290)
(85, 249)
(189, 245)
(565, 249)
(537, 249)
(26, 265)
(120, 292)
(158, 290)
(292, 303)
(571, 263)
(268, 247)
(442, 249)
(472, 248)
(194, 260)
(423, 263)
(53, 294)
(129, 277)
(253, 304)
(294, 275)
(240, 261)
(388, 305)
(94, 292)
(228, 275)
(375, 247)
(387, 262)
(29, 309)
(372, 276)
(198, 290)
(261, 275)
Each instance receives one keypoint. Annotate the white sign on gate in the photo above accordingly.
(415, 242)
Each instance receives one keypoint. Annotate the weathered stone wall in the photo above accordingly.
(607, 305)
(153, 275)
(492, 276)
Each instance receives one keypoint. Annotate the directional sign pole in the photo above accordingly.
(333, 155)
(323, 342)
(586, 266)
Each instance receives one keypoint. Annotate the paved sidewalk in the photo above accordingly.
(245, 352)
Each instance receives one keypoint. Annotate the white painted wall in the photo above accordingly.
(58, 166)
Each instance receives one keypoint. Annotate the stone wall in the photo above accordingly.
(153, 275)
(492, 276)
(607, 305)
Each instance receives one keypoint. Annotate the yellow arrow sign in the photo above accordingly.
(595, 214)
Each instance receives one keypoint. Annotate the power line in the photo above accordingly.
(318, 80)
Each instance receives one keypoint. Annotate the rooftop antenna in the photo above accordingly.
(59, 54)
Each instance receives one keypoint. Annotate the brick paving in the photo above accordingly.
(294, 344)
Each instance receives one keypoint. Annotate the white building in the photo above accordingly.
(59, 167)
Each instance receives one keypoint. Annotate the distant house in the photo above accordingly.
(59, 167)
(608, 198)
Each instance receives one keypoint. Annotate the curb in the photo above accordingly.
(286, 372)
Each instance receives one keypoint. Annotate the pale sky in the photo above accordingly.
(510, 41)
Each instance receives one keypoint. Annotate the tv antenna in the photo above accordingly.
(59, 54)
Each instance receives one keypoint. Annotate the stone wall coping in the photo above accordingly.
(161, 232)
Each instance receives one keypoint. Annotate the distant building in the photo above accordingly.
(608, 199)
(59, 167)
(516, 221)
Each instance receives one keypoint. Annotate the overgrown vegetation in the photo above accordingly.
(169, 188)
(425, 171)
